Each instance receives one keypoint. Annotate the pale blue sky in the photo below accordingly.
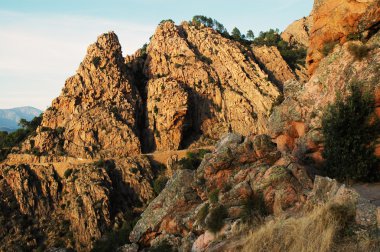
(42, 42)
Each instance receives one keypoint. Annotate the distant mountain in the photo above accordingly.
(9, 118)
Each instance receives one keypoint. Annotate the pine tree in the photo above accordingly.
(350, 130)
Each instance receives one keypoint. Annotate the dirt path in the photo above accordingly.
(159, 157)
(369, 191)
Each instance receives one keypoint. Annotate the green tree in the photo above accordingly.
(350, 130)
(236, 34)
(250, 35)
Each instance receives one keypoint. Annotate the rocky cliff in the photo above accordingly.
(39, 208)
(211, 84)
(350, 20)
(82, 180)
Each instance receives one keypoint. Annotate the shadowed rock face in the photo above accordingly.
(73, 211)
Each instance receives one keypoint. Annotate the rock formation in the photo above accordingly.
(96, 114)
(70, 211)
(268, 178)
(225, 88)
(350, 19)
(82, 177)
(271, 60)
(298, 33)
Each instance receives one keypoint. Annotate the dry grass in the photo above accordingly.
(316, 231)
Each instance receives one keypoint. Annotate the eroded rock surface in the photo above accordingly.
(73, 211)
(349, 19)
(96, 114)
(237, 172)
(298, 33)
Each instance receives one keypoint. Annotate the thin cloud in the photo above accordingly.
(48, 49)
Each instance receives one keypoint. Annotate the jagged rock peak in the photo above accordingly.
(226, 88)
(298, 32)
(96, 113)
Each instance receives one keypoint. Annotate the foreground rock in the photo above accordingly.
(351, 19)
(296, 123)
(73, 211)
(249, 178)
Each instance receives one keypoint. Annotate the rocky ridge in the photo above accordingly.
(189, 82)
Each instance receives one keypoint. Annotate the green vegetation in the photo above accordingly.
(254, 207)
(328, 47)
(164, 246)
(10, 140)
(193, 159)
(202, 214)
(166, 20)
(292, 55)
(215, 221)
(115, 238)
(214, 196)
(236, 34)
(358, 51)
(159, 184)
(209, 22)
(250, 35)
(350, 130)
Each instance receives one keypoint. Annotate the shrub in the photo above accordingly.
(193, 159)
(10, 140)
(202, 214)
(214, 196)
(159, 184)
(155, 110)
(328, 47)
(114, 239)
(254, 207)
(164, 246)
(215, 221)
(358, 51)
(100, 163)
(317, 230)
(67, 173)
(350, 131)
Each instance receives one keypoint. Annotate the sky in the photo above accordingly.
(42, 42)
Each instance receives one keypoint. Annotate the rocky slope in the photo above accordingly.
(190, 85)
(296, 124)
(40, 207)
(351, 19)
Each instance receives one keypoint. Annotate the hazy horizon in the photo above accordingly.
(43, 43)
